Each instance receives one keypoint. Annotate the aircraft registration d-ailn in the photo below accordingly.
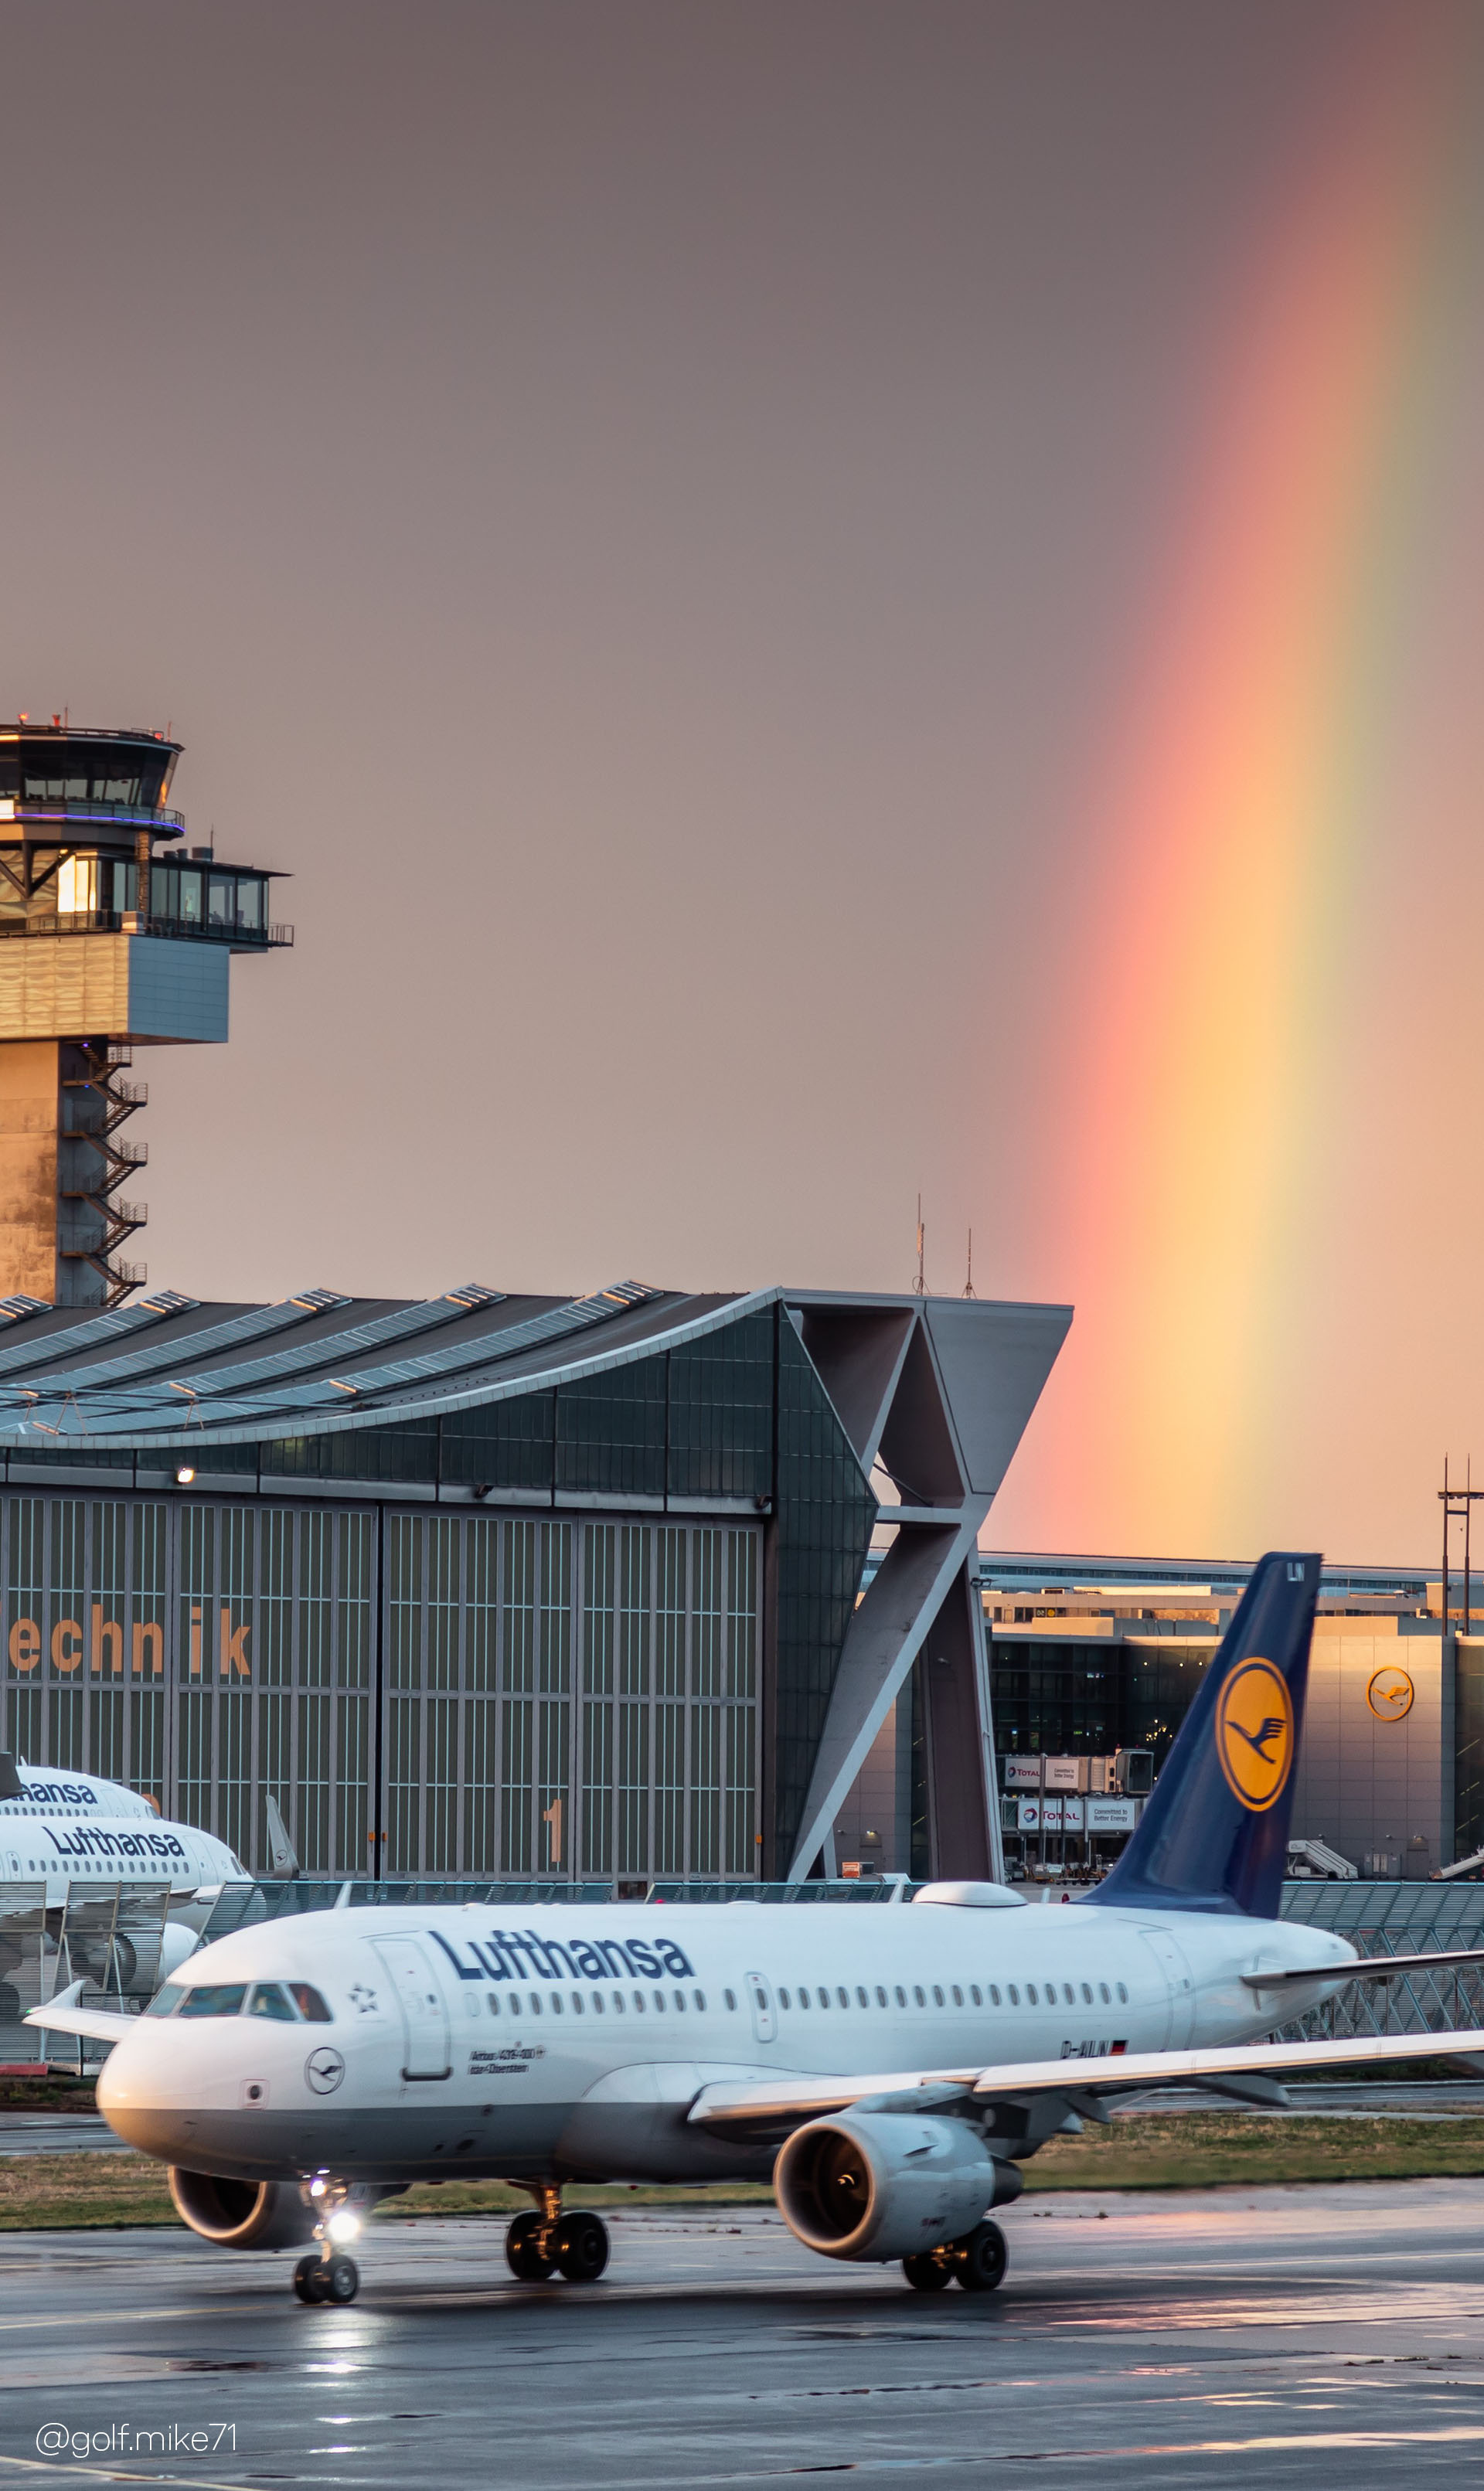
(893, 2067)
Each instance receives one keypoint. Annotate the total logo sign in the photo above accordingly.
(1075, 1815)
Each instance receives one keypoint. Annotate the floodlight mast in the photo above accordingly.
(113, 934)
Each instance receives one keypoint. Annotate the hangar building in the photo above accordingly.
(508, 1586)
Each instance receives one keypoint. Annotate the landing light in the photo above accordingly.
(343, 2227)
(183, 1476)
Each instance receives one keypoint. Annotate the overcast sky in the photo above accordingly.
(640, 510)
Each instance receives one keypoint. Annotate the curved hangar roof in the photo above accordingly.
(172, 1373)
(170, 1370)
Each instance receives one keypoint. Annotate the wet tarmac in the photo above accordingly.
(1322, 2336)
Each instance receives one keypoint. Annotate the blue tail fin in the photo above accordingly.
(1213, 1837)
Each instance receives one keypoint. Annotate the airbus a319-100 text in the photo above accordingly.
(892, 2069)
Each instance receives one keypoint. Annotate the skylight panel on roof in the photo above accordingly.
(556, 1322)
(425, 1315)
(118, 1323)
(155, 1356)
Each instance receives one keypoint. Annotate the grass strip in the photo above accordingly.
(1215, 2149)
(1193, 2150)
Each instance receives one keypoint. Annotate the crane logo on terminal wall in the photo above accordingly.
(97, 1644)
(1390, 1694)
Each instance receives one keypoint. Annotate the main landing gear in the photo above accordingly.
(335, 2279)
(977, 2261)
(544, 2241)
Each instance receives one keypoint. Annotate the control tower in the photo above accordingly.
(113, 934)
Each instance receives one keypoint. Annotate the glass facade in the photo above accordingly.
(1066, 1697)
(578, 1671)
(825, 1513)
(1469, 1746)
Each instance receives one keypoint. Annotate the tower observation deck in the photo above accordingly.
(113, 934)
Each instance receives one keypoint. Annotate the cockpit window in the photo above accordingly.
(311, 2007)
(166, 2001)
(214, 1998)
(271, 1999)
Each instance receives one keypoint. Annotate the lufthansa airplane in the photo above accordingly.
(893, 2067)
(68, 1832)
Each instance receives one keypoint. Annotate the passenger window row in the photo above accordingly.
(976, 1998)
(592, 2002)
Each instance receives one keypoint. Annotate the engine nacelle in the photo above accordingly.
(177, 1943)
(881, 2184)
(242, 2213)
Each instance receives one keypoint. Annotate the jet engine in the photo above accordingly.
(883, 2184)
(177, 1942)
(243, 2213)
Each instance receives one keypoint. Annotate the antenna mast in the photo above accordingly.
(969, 1282)
(919, 1285)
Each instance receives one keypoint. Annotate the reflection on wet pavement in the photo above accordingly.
(1273, 2336)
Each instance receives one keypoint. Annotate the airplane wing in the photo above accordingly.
(777, 2108)
(63, 2014)
(1374, 1967)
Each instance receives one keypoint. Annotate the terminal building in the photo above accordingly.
(1091, 1655)
(501, 1586)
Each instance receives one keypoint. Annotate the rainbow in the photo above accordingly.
(1250, 773)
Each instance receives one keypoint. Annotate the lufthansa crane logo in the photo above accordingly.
(1389, 1694)
(1255, 1733)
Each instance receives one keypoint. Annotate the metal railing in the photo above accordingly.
(87, 808)
(115, 921)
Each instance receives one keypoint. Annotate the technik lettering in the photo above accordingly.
(88, 1841)
(503, 1955)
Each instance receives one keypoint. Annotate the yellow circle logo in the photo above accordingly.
(1389, 1694)
(1255, 1733)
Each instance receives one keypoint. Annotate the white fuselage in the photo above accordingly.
(45, 1789)
(69, 1855)
(75, 1834)
(569, 2042)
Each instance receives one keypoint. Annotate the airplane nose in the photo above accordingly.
(137, 2098)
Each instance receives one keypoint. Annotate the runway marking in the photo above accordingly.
(120, 2474)
(123, 2318)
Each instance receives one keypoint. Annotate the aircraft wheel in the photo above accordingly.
(926, 2274)
(523, 2252)
(309, 2277)
(342, 2281)
(981, 2258)
(581, 2245)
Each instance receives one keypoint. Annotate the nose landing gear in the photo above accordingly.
(544, 2241)
(326, 2273)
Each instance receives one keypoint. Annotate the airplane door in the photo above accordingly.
(1179, 1989)
(765, 2023)
(424, 2009)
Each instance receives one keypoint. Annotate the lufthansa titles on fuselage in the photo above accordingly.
(100, 1842)
(500, 1955)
